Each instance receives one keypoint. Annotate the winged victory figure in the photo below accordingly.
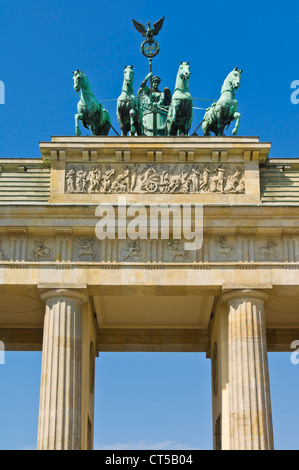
(149, 32)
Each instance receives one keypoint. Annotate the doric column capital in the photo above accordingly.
(63, 293)
(245, 294)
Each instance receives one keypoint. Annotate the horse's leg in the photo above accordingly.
(107, 125)
(106, 128)
(77, 117)
(120, 120)
(236, 116)
(138, 124)
(206, 128)
(188, 123)
(221, 131)
(123, 128)
(218, 122)
(132, 121)
(220, 118)
(171, 118)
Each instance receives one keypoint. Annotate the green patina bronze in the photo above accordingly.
(149, 32)
(150, 47)
(128, 111)
(154, 112)
(154, 118)
(90, 111)
(180, 112)
(221, 113)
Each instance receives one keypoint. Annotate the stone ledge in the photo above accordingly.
(187, 340)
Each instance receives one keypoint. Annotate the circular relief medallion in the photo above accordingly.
(150, 48)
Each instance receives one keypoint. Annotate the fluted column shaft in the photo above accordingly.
(59, 426)
(249, 387)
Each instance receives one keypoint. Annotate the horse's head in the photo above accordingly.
(78, 79)
(184, 70)
(129, 75)
(234, 78)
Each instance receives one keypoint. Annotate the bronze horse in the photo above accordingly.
(128, 109)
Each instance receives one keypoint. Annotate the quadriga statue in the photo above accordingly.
(221, 113)
(90, 111)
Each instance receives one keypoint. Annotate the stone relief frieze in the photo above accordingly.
(132, 252)
(85, 249)
(178, 253)
(271, 250)
(3, 255)
(155, 178)
(89, 249)
(41, 251)
(224, 250)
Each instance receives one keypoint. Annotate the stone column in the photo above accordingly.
(249, 388)
(59, 426)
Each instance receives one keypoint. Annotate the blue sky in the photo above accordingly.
(144, 400)
(42, 43)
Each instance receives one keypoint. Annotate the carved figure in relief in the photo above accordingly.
(232, 182)
(122, 182)
(204, 184)
(86, 248)
(224, 248)
(150, 179)
(94, 177)
(185, 180)
(240, 188)
(70, 180)
(41, 251)
(177, 252)
(133, 251)
(195, 179)
(106, 179)
(81, 180)
(133, 179)
(269, 251)
(217, 181)
(3, 256)
(165, 181)
(175, 184)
